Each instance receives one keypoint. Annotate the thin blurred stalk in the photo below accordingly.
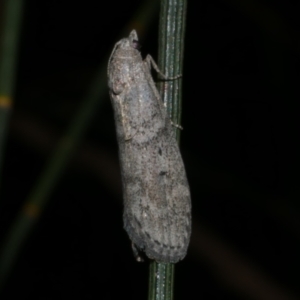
(12, 16)
(56, 164)
(170, 61)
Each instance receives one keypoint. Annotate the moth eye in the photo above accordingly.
(136, 44)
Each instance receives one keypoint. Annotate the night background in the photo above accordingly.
(239, 143)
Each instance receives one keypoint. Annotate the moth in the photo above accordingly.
(157, 203)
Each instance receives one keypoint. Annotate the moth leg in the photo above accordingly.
(150, 61)
(136, 253)
(176, 125)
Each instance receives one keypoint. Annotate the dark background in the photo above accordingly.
(239, 144)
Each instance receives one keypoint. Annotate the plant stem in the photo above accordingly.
(170, 61)
(170, 54)
(161, 281)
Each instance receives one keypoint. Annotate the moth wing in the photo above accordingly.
(158, 218)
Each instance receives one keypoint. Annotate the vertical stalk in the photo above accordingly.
(170, 61)
(170, 54)
(161, 281)
(12, 16)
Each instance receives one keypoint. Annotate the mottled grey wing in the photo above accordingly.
(158, 219)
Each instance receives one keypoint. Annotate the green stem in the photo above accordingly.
(170, 61)
(170, 54)
(161, 281)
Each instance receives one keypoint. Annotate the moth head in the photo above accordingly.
(134, 40)
(127, 47)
